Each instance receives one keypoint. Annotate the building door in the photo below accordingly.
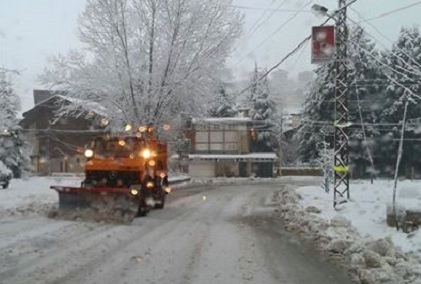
(64, 166)
(243, 169)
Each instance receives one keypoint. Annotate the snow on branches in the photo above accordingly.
(12, 153)
(144, 59)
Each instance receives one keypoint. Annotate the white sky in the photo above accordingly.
(32, 30)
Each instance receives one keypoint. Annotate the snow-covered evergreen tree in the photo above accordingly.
(222, 105)
(318, 109)
(11, 142)
(403, 84)
(263, 109)
(364, 104)
(404, 80)
(366, 99)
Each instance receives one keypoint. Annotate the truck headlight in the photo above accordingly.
(146, 154)
(150, 184)
(134, 191)
(89, 153)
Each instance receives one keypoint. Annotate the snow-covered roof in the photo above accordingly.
(83, 104)
(250, 156)
(222, 120)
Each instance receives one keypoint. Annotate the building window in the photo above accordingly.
(231, 146)
(202, 137)
(231, 136)
(216, 146)
(216, 137)
(202, 146)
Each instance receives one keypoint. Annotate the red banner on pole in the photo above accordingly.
(323, 44)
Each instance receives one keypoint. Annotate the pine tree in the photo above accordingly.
(318, 109)
(11, 141)
(364, 91)
(222, 105)
(366, 101)
(263, 109)
(403, 85)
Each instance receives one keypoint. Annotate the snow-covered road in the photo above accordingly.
(224, 234)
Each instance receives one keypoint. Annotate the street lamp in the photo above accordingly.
(319, 10)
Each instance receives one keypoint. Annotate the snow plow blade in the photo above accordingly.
(115, 205)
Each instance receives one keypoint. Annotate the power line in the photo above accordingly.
(298, 47)
(270, 10)
(385, 37)
(258, 25)
(274, 32)
(255, 23)
(393, 11)
(369, 53)
(262, 16)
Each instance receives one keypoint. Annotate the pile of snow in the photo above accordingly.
(357, 235)
(178, 178)
(368, 207)
(32, 195)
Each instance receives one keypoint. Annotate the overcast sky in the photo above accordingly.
(32, 30)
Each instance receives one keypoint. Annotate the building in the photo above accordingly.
(221, 147)
(291, 121)
(57, 142)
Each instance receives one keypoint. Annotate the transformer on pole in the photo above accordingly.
(341, 140)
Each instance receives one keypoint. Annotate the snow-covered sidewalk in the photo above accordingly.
(367, 210)
(357, 234)
(32, 195)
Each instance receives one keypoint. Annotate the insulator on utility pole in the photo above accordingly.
(341, 143)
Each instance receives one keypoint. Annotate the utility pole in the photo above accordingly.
(341, 140)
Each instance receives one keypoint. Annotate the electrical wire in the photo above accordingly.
(291, 53)
(273, 33)
(268, 18)
(386, 38)
(269, 9)
(393, 11)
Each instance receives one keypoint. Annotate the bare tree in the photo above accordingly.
(147, 60)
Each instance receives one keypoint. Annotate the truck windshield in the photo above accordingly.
(118, 147)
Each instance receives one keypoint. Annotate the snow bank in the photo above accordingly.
(357, 234)
(367, 211)
(32, 195)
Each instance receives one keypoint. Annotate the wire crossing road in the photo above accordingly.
(225, 234)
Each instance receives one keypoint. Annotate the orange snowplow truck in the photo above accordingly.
(125, 177)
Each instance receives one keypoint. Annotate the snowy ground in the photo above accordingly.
(357, 234)
(32, 195)
(367, 211)
(231, 236)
